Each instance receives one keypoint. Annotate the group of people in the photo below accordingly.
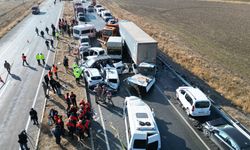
(103, 94)
(40, 58)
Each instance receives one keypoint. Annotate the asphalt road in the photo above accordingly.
(22, 89)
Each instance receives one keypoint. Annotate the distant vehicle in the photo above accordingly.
(114, 46)
(106, 15)
(92, 76)
(141, 129)
(79, 9)
(225, 136)
(84, 29)
(194, 101)
(80, 14)
(84, 41)
(77, 4)
(111, 77)
(91, 8)
(109, 30)
(35, 10)
(98, 6)
(99, 10)
(81, 18)
(83, 1)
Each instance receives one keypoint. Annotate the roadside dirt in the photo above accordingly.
(46, 139)
(237, 91)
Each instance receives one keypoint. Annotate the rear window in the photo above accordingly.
(140, 144)
(202, 104)
(153, 146)
(86, 31)
(96, 78)
(84, 40)
(113, 80)
(76, 31)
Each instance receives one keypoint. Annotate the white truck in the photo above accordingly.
(142, 49)
(141, 129)
(114, 47)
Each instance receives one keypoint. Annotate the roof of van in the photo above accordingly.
(140, 115)
(137, 33)
(197, 93)
(114, 39)
(84, 26)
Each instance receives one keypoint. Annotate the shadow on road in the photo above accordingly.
(15, 77)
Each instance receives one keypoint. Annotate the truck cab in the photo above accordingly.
(141, 129)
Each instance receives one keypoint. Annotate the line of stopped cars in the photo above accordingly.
(129, 49)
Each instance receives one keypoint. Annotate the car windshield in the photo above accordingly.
(107, 14)
(113, 80)
(203, 104)
(96, 78)
(84, 40)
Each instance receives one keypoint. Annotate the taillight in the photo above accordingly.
(193, 108)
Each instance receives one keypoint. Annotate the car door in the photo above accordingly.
(181, 95)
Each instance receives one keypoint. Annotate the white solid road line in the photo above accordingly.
(183, 118)
(104, 129)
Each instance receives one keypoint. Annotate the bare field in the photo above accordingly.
(229, 84)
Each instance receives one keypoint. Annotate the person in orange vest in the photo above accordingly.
(86, 127)
(24, 58)
(54, 70)
(80, 129)
(50, 75)
(71, 127)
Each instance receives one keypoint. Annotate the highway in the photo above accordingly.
(22, 89)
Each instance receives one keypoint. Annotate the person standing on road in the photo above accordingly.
(54, 33)
(23, 140)
(7, 66)
(24, 59)
(54, 70)
(66, 63)
(38, 58)
(57, 35)
(53, 85)
(42, 33)
(98, 91)
(37, 31)
(47, 44)
(52, 43)
(50, 75)
(42, 58)
(47, 30)
(109, 97)
(33, 116)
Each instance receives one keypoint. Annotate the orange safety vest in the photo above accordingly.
(54, 69)
(50, 74)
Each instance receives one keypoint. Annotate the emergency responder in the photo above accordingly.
(47, 44)
(23, 140)
(24, 59)
(37, 32)
(42, 58)
(54, 70)
(73, 99)
(38, 58)
(57, 35)
(47, 30)
(80, 129)
(77, 73)
(86, 127)
(98, 91)
(42, 33)
(52, 43)
(66, 63)
(109, 97)
(71, 127)
(33, 116)
(57, 133)
(50, 75)
(7, 66)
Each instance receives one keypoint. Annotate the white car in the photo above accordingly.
(106, 15)
(92, 76)
(97, 6)
(111, 77)
(99, 10)
(84, 41)
(194, 101)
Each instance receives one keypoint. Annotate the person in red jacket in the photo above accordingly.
(86, 127)
(80, 129)
(54, 70)
(50, 75)
(24, 58)
(71, 127)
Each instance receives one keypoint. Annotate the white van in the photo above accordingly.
(84, 30)
(141, 129)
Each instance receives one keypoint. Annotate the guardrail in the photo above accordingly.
(230, 119)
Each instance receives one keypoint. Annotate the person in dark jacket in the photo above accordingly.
(22, 140)
(57, 132)
(53, 85)
(33, 116)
